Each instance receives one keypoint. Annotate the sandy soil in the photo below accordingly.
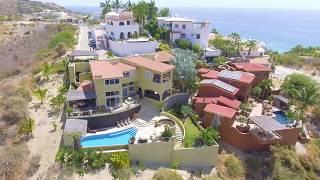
(45, 143)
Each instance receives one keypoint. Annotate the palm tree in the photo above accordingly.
(27, 126)
(208, 136)
(107, 7)
(117, 4)
(40, 94)
(237, 39)
(265, 85)
(140, 12)
(251, 44)
(46, 70)
(186, 111)
(152, 11)
(305, 98)
(287, 89)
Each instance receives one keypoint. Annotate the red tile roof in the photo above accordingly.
(205, 100)
(203, 70)
(252, 67)
(163, 56)
(247, 78)
(233, 103)
(211, 74)
(107, 70)
(221, 110)
(86, 86)
(139, 61)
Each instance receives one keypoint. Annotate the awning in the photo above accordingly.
(75, 95)
(267, 123)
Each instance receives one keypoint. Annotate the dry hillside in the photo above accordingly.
(8, 8)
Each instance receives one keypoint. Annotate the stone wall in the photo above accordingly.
(177, 99)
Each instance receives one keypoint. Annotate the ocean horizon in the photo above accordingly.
(279, 29)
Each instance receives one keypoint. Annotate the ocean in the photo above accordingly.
(279, 29)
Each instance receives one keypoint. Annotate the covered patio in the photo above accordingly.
(81, 101)
(281, 102)
(265, 128)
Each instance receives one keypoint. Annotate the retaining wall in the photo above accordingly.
(176, 99)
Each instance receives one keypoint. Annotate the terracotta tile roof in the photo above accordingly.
(252, 67)
(221, 85)
(211, 74)
(247, 78)
(221, 110)
(203, 70)
(163, 56)
(139, 61)
(233, 103)
(86, 86)
(205, 100)
(107, 70)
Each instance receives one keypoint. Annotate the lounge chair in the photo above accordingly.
(118, 124)
(122, 123)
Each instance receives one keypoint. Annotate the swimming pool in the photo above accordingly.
(282, 118)
(110, 139)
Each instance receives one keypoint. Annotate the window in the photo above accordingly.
(183, 35)
(113, 102)
(112, 93)
(111, 81)
(157, 78)
(126, 74)
(183, 26)
(176, 25)
(131, 87)
(148, 74)
(198, 36)
(163, 25)
(128, 22)
(121, 24)
(111, 23)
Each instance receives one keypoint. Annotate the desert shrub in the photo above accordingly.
(34, 164)
(14, 109)
(234, 166)
(208, 137)
(165, 47)
(24, 92)
(61, 48)
(120, 160)
(286, 164)
(121, 174)
(290, 59)
(13, 161)
(166, 174)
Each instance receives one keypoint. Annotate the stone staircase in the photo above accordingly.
(140, 124)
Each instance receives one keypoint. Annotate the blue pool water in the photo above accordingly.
(115, 138)
(282, 118)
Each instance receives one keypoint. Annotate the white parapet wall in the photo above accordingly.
(125, 48)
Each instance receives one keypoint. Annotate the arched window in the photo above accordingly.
(111, 23)
(121, 24)
(121, 35)
(129, 35)
(112, 33)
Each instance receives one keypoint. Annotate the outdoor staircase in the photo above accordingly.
(141, 124)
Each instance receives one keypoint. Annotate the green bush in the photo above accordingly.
(120, 160)
(167, 132)
(175, 165)
(166, 174)
(183, 44)
(192, 132)
(65, 37)
(234, 166)
(208, 137)
(196, 49)
(81, 160)
(165, 47)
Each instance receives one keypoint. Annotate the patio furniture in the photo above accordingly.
(118, 124)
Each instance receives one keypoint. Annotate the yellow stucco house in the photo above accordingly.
(106, 84)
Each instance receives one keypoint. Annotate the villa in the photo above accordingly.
(258, 51)
(184, 28)
(260, 71)
(218, 101)
(121, 35)
(110, 85)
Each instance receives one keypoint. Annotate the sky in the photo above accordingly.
(274, 4)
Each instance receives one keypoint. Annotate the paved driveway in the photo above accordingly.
(83, 38)
(148, 110)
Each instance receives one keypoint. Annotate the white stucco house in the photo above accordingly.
(123, 36)
(258, 51)
(184, 28)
